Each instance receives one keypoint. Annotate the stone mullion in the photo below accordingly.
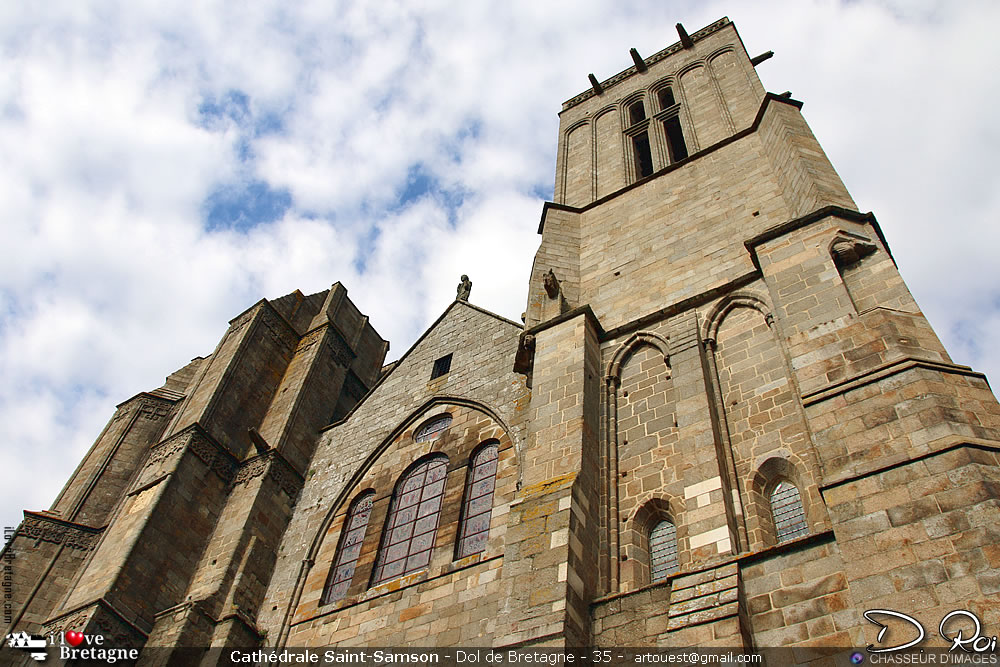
(614, 520)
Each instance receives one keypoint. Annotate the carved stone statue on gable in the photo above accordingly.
(464, 288)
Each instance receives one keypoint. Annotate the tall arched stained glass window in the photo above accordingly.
(351, 539)
(413, 520)
(662, 551)
(789, 516)
(478, 506)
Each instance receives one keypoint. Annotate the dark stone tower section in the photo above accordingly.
(50, 546)
(166, 534)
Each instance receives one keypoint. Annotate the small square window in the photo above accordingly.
(441, 366)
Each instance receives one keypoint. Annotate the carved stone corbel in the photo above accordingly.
(849, 251)
(551, 284)
(524, 359)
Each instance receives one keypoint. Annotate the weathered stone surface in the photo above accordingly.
(717, 347)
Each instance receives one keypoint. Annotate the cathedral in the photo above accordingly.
(723, 422)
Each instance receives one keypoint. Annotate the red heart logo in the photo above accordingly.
(74, 638)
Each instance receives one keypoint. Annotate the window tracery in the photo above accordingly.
(432, 428)
(662, 551)
(478, 506)
(413, 518)
(349, 549)
(789, 515)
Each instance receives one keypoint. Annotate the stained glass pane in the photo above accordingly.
(427, 524)
(342, 572)
(411, 498)
(402, 533)
(404, 516)
(662, 551)
(407, 546)
(429, 507)
(488, 469)
(338, 591)
(476, 543)
(417, 561)
(481, 488)
(351, 552)
(789, 516)
(433, 490)
(478, 501)
(479, 505)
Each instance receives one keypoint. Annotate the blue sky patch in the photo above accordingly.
(546, 193)
(234, 105)
(243, 206)
(419, 182)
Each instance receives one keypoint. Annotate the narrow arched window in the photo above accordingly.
(351, 538)
(637, 136)
(636, 112)
(432, 428)
(642, 154)
(662, 551)
(666, 97)
(413, 520)
(789, 516)
(478, 505)
(676, 147)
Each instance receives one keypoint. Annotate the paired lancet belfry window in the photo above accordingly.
(670, 112)
(640, 139)
(411, 527)
(639, 130)
(789, 515)
(662, 551)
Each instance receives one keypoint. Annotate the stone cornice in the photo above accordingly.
(48, 528)
(273, 465)
(201, 444)
(651, 60)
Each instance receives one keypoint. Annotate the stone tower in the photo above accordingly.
(725, 355)
(167, 530)
(724, 422)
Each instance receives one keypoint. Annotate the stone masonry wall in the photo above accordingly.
(483, 347)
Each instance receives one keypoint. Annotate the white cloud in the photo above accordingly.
(108, 280)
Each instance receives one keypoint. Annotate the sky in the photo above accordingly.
(163, 166)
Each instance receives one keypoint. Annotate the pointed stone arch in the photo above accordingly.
(713, 321)
(611, 450)
(730, 302)
(636, 571)
(458, 446)
(633, 342)
(781, 466)
(609, 156)
(410, 420)
(579, 192)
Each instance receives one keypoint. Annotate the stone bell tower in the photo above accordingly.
(733, 392)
